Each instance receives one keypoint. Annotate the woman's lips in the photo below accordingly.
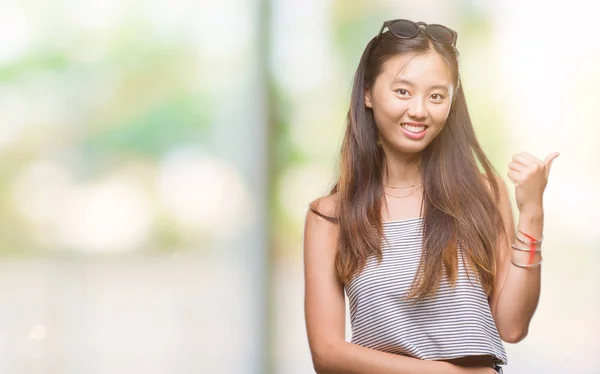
(414, 135)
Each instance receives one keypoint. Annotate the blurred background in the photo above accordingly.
(157, 159)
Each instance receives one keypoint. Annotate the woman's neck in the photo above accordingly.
(401, 172)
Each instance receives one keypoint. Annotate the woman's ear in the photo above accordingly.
(368, 99)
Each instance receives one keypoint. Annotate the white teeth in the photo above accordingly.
(413, 128)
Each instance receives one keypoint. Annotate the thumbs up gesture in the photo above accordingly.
(529, 174)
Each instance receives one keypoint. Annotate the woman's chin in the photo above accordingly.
(403, 148)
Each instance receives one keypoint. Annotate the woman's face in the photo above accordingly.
(411, 101)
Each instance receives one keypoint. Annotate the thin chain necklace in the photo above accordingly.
(400, 197)
(412, 185)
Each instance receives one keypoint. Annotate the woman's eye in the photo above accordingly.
(402, 92)
(437, 97)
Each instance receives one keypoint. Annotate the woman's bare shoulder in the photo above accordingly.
(325, 206)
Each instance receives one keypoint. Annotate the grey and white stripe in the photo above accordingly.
(456, 322)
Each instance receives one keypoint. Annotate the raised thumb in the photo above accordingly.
(550, 159)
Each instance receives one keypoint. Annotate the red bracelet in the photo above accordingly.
(532, 243)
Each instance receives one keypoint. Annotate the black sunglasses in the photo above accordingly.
(406, 29)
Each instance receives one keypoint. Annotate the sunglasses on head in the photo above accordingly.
(406, 29)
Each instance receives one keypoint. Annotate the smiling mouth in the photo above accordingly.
(415, 129)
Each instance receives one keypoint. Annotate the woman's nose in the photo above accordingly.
(417, 109)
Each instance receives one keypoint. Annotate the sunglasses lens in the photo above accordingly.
(440, 34)
(404, 29)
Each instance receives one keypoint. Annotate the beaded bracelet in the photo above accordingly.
(528, 265)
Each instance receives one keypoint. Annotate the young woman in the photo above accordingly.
(423, 243)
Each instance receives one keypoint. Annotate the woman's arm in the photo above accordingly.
(325, 313)
(518, 289)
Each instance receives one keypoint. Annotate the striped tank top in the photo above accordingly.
(456, 322)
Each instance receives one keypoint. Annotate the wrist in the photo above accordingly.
(531, 221)
(532, 210)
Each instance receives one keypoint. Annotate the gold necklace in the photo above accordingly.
(394, 187)
(400, 197)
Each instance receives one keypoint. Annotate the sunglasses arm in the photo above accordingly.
(385, 24)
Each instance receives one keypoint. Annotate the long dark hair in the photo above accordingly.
(459, 202)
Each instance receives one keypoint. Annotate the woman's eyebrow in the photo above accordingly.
(409, 83)
(439, 87)
(404, 81)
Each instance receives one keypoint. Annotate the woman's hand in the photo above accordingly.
(529, 174)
